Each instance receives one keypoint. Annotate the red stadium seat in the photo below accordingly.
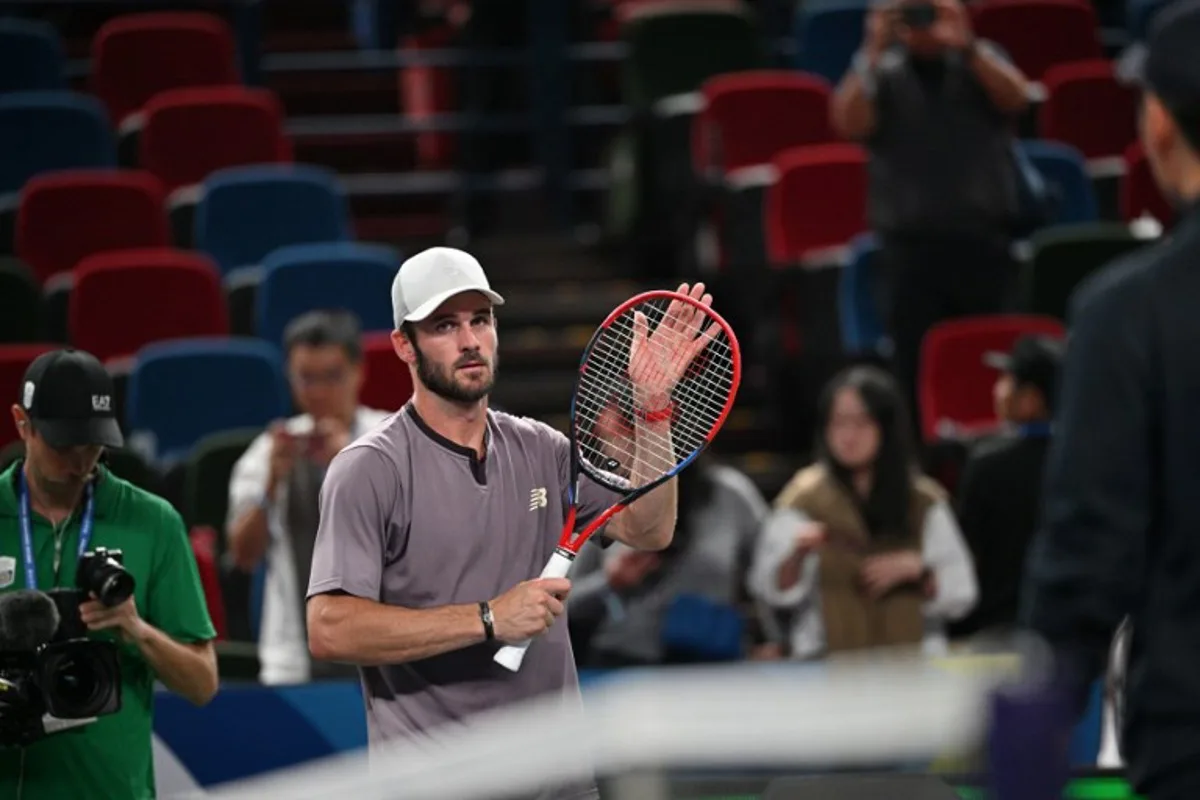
(14, 360)
(387, 384)
(126, 299)
(818, 202)
(190, 133)
(204, 548)
(1140, 193)
(954, 385)
(65, 216)
(1086, 107)
(427, 91)
(1037, 34)
(136, 56)
(750, 117)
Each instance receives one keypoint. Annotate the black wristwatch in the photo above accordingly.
(485, 614)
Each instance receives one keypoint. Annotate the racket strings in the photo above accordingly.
(608, 435)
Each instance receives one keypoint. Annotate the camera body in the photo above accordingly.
(71, 676)
(918, 15)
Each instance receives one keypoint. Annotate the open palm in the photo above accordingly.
(658, 359)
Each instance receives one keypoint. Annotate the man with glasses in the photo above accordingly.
(275, 486)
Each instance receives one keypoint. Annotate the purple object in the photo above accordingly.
(1029, 743)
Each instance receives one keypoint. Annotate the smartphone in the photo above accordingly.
(918, 16)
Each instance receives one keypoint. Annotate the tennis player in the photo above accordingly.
(432, 524)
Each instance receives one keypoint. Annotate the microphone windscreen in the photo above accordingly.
(28, 619)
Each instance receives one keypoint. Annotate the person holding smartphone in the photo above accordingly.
(933, 106)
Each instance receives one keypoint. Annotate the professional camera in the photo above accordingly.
(52, 676)
(101, 572)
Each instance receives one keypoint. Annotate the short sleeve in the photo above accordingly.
(249, 479)
(358, 510)
(175, 601)
(593, 499)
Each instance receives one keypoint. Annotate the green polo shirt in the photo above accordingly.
(111, 759)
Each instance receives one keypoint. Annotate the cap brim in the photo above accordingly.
(1130, 68)
(429, 306)
(1000, 361)
(63, 433)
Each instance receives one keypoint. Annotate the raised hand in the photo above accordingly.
(659, 358)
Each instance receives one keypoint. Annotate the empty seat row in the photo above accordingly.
(179, 392)
(122, 300)
(242, 214)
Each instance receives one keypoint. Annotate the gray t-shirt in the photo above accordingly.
(409, 518)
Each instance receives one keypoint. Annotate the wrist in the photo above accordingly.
(488, 621)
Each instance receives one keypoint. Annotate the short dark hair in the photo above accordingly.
(409, 329)
(324, 328)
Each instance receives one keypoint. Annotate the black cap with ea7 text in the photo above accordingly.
(69, 396)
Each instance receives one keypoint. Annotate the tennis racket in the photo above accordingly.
(656, 340)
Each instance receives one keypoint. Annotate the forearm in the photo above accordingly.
(789, 572)
(1004, 84)
(355, 630)
(188, 670)
(249, 537)
(649, 522)
(853, 107)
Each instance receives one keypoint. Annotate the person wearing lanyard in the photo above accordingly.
(1120, 532)
(59, 502)
(1000, 493)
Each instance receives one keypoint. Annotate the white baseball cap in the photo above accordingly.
(432, 277)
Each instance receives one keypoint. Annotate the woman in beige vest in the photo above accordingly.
(862, 550)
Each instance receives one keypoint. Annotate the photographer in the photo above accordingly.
(59, 508)
(935, 107)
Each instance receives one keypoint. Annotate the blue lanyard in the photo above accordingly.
(85, 526)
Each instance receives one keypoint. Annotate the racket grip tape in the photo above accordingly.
(511, 656)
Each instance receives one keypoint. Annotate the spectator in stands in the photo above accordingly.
(862, 549)
(1000, 496)
(630, 607)
(934, 106)
(274, 489)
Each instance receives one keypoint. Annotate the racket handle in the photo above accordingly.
(511, 656)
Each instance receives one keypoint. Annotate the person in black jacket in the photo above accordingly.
(1000, 494)
(1121, 524)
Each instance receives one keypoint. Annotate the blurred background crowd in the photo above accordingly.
(891, 201)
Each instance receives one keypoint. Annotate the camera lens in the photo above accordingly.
(79, 683)
(114, 586)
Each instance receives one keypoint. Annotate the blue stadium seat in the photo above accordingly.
(350, 276)
(31, 57)
(246, 212)
(180, 391)
(1065, 171)
(827, 36)
(862, 325)
(51, 131)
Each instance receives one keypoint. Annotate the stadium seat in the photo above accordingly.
(126, 299)
(136, 56)
(827, 36)
(306, 277)
(51, 130)
(246, 212)
(65, 216)
(749, 117)
(1140, 194)
(190, 133)
(1037, 34)
(14, 359)
(1064, 170)
(859, 310)
(206, 477)
(181, 391)
(817, 203)
(387, 384)
(31, 57)
(1063, 256)
(20, 303)
(954, 385)
(1087, 108)
(204, 548)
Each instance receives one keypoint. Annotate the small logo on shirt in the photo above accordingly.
(537, 499)
(8, 571)
(101, 402)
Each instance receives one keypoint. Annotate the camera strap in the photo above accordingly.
(26, 519)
